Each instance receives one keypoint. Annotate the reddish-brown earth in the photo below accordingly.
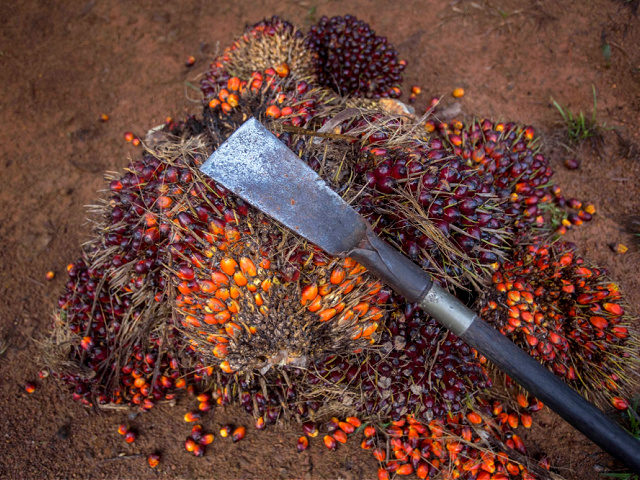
(65, 63)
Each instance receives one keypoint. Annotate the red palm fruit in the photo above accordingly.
(196, 432)
(238, 434)
(526, 420)
(310, 429)
(355, 421)
(206, 439)
(367, 443)
(190, 444)
(198, 450)
(29, 387)
(192, 417)
(273, 111)
(474, 418)
(340, 436)
(122, 429)
(369, 431)
(619, 403)
(225, 431)
(379, 454)
(303, 443)
(422, 470)
(153, 460)
(522, 400)
(383, 474)
(130, 437)
(347, 427)
(329, 442)
(405, 469)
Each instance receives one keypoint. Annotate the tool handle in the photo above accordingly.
(391, 266)
(548, 388)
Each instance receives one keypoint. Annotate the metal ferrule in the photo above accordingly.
(447, 310)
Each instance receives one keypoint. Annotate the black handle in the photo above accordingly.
(553, 392)
(415, 285)
(391, 266)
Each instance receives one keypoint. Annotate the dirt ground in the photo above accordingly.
(63, 64)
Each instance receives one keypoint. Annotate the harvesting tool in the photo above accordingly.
(259, 168)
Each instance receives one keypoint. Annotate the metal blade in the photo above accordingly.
(259, 168)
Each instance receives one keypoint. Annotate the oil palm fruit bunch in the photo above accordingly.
(440, 211)
(250, 298)
(456, 445)
(113, 340)
(263, 94)
(352, 60)
(418, 368)
(270, 43)
(569, 316)
(509, 156)
(424, 199)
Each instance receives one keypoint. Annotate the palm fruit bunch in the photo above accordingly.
(92, 321)
(418, 369)
(270, 43)
(508, 156)
(352, 60)
(244, 304)
(438, 210)
(113, 340)
(456, 445)
(568, 316)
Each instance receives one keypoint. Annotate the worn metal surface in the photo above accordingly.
(448, 310)
(259, 168)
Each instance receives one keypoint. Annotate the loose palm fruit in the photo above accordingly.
(238, 434)
(303, 443)
(329, 442)
(153, 460)
(192, 417)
